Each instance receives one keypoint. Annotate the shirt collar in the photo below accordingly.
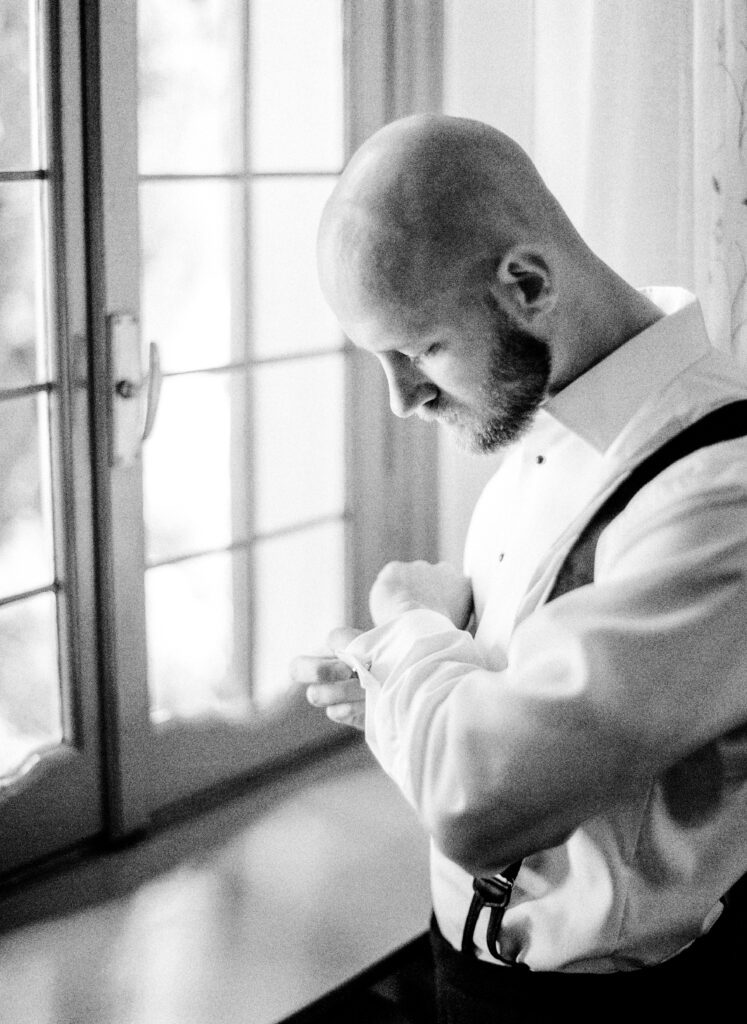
(599, 403)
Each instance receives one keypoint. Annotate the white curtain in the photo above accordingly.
(721, 200)
(640, 128)
(636, 113)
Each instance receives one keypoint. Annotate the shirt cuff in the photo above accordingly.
(378, 651)
(379, 655)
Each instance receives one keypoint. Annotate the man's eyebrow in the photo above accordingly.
(422, 344)
(413, 352)
(416, 347)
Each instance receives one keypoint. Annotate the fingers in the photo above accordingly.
(323, 695)
(353, 714)
(340, 638)
(343, 701)
(308, 669)
(402, 586)
(331, 684)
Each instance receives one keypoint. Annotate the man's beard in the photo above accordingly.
(516, 386)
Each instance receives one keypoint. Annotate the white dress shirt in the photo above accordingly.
(589, 735)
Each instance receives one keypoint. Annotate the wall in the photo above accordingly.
(602, 96)
(488, 76)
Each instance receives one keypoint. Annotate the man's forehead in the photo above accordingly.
(395, 329)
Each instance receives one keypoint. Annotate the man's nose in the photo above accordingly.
(408, 387)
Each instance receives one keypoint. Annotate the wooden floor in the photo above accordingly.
(247, 914)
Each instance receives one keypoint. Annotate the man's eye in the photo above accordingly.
(432, 350)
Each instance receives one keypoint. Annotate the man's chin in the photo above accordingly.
(469, 438)
(479, 436)
(485, 437)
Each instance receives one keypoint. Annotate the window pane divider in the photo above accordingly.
(49, 588)
(242, 545)
(289, 357)
(37, 175)
(222, 549)
(315, 353)
(307, 524)
(236, 175)
(27, 390)
(193, 372)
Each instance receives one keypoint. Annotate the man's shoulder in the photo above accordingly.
(694, 512)
(712, 472)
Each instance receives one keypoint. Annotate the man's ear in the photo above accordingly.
(524, 284)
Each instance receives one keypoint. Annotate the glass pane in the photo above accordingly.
(195, 661)
(193, 466)
(190, 86)
(299, 413)
(26, 545)
(289, 312)
(15, 86)
(296, 81)
(189, 271)
(30, 706)
(299, 598)
(23, 355)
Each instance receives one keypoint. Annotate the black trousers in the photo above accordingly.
(701, 984)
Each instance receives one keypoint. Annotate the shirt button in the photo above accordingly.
(540, 459)
(501, 556)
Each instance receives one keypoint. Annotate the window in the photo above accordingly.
(51, 770)
(31, 687)
(244, 509)
(200, 476)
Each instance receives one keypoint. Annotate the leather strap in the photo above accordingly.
(723, 424)
(494, 892)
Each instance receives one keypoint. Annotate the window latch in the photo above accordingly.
(135, 394)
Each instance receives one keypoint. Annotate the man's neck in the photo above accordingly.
(595, 329)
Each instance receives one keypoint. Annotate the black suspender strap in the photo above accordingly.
(723, 424)
(493, 892)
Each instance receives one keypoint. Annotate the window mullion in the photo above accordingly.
(111, 118)
(242, 455)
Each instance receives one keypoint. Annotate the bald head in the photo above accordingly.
(432, 203)
(437, 219)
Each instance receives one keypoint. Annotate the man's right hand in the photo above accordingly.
(331, 684)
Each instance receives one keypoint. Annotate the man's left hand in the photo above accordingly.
(330, 683)
(403, 586)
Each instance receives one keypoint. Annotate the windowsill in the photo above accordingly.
(248, 913)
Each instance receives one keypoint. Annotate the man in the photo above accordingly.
(592, 734)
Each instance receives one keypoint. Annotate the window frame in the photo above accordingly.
(116, 777)
(61, 791)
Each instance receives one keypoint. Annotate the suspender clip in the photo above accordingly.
(493, 891)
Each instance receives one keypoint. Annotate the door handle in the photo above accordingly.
(135, 395)
(155, 378)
